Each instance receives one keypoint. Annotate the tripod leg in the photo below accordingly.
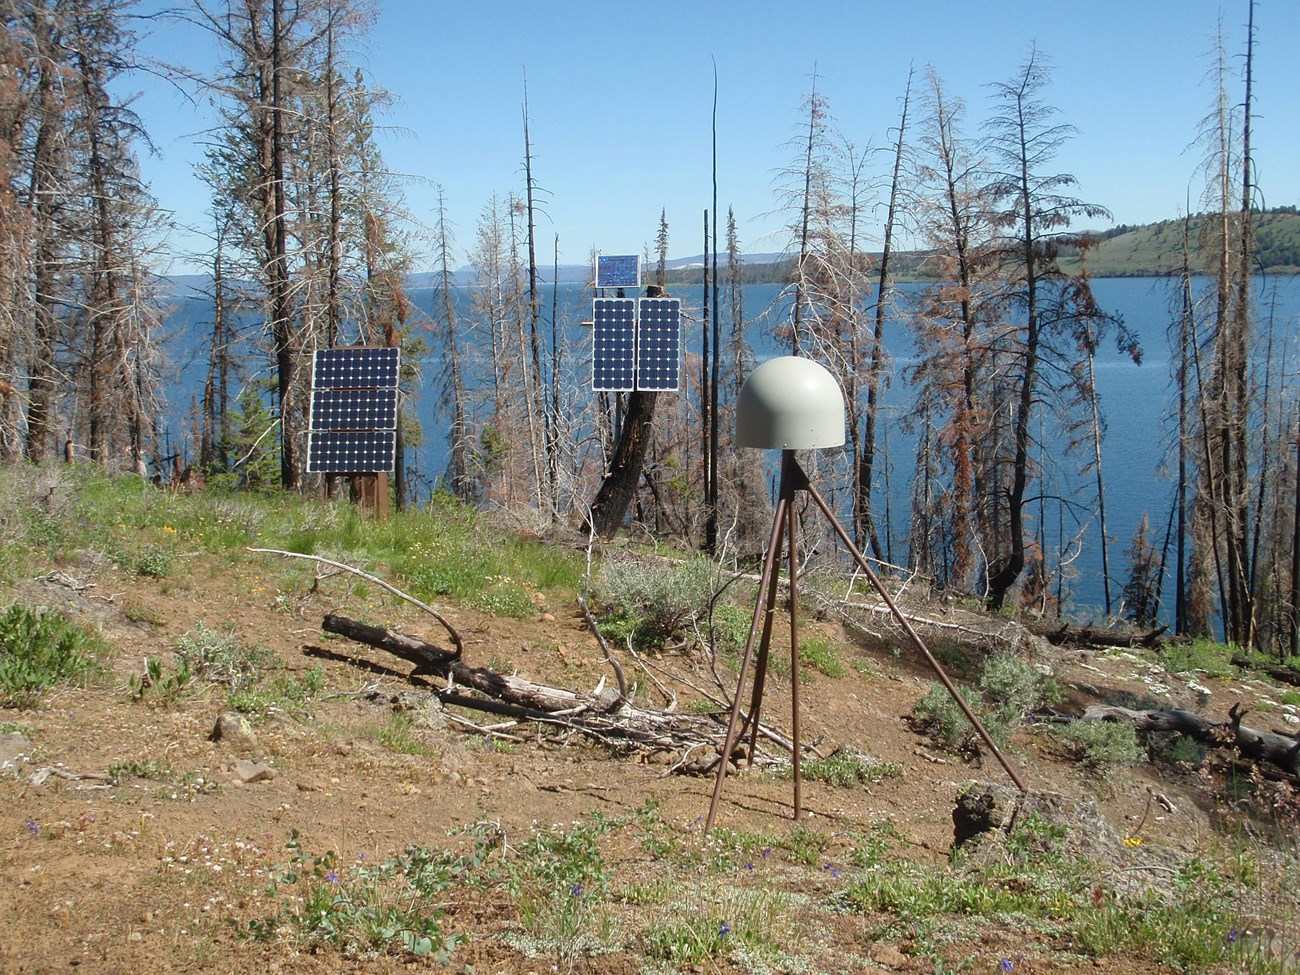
(770, 568)
(765, 643)
(915, 637)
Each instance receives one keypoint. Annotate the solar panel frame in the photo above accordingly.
(613, 357)
(659, 344)
(351, 451)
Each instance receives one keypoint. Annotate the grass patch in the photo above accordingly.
(820, 656)
(1204, 656)
(846, 769)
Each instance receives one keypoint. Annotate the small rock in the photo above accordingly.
(234, 729)
(889, 957)
(14, 749)
(249, 772)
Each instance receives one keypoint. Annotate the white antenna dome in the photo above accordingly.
(790, 403)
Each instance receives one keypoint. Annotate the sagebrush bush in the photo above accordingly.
(939, 715)
(661, 599)
(1100, 744)
(1015, 688)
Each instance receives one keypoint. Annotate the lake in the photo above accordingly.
(1135, 401)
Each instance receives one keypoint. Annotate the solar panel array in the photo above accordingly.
(351, 452)
(353, 426)
(637, 344)
(355, 368)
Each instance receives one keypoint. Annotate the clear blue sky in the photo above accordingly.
(620, 98)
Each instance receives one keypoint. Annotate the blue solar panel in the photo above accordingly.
(613, 359)
(659, 344)
(614, 271)
(354, 409)
(356, 367)
(332, 452)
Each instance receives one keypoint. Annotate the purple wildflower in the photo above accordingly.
(1005, 965)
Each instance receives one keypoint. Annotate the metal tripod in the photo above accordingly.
(794, 479)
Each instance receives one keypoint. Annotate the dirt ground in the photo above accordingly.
(138, 871)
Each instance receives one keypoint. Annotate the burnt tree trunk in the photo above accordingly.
(620, 483)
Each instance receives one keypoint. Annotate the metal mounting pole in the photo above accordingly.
(764, 606)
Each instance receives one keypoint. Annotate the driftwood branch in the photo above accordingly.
(1268, 747)
(604, 714)
(451, 630)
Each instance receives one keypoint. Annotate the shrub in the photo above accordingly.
(660, 599)
(1015, 688)
(938, 714)
(40, 648)
(1099, 744)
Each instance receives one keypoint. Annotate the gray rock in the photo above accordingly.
(249, 772)
(234, 729)
(15, 748)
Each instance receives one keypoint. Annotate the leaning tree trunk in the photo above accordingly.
(619, 486)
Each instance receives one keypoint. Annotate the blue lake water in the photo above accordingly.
(1135, 402)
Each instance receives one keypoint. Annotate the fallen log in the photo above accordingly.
(1267, 747)
(1283, 675)
(604, 714)
(1061, 632)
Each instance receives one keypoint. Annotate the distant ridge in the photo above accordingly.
(1146, 250)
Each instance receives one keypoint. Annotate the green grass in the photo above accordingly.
(820, 656)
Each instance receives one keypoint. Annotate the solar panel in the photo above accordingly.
(353, 425)
(616, 271)
(613, 359)
(333, 452)
(356, 367)
(659, 344)
(354, 409)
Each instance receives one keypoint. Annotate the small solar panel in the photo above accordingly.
(354, 409)
(356, 367)
(333, 452)
(659, 344)
(616, 271)
(614, 345)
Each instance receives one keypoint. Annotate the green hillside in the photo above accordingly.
(1146, 250)
(1153, 249)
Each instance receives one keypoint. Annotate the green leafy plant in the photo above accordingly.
(160, 682)
(391, 907)
(41, 648)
